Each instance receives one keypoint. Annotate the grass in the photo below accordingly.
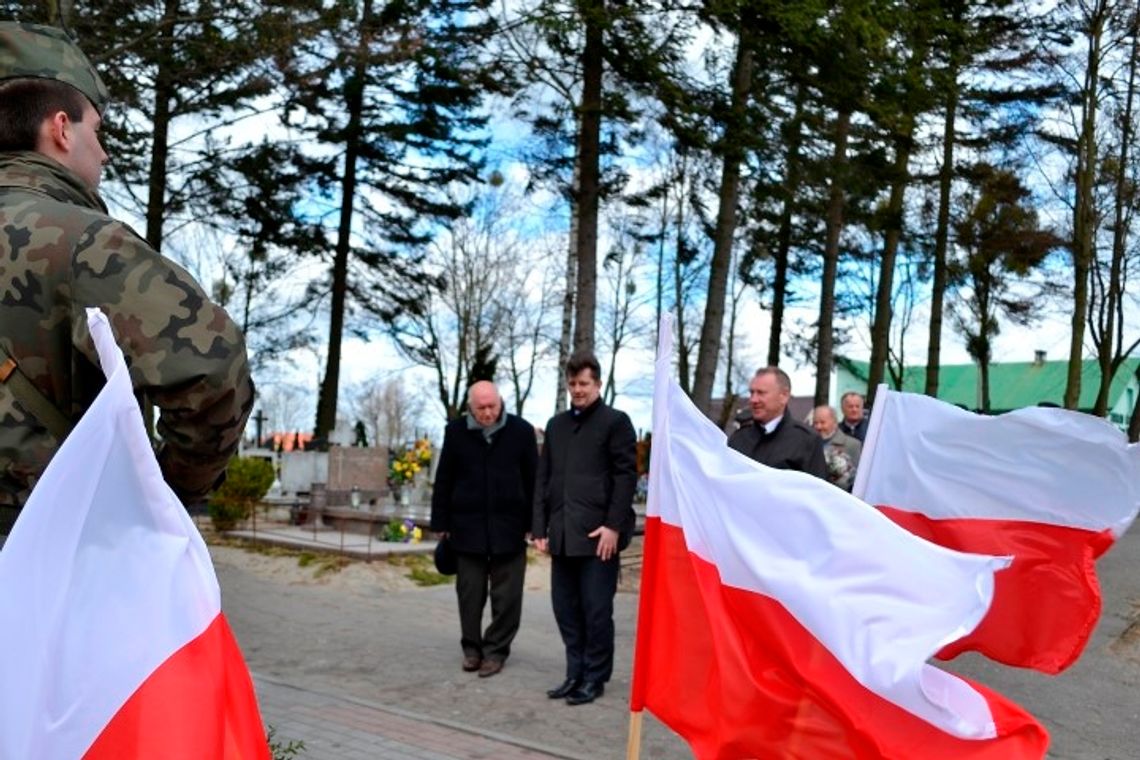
(326, 564)
(421, 569)
(323, 563)
(330, 564)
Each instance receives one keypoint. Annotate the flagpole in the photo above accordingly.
(633, 745)
(870, 442)
(649, 546)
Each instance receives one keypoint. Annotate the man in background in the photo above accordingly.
(840, 450)
(774, 438)
(62, 253)
(854, 423)
(583, 516)
(481, 502)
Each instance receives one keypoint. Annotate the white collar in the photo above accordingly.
(771, 425)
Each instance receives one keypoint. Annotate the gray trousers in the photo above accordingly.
(502, 576)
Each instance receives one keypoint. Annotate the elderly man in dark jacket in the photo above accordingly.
(481, 502)
(584, 516)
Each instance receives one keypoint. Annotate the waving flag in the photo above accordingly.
(110, 613)
(1052, 488)
(779, 617)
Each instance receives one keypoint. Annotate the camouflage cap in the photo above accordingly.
(44, 52)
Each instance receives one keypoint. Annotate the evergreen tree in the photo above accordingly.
(987, 62)
(902, 96)
(586, 70)
(1003, 244)
(388, 95)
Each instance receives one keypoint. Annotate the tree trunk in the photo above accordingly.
(729, 405)
(684, 376)
(354, 104)
(784, 234)
(711, 329)
(835, 203)
(160, 147)
(881, 325)
(984, 378)
(903, 140)
(942, 233)
(986, 322)
(1112, 320)
(560, 400)
(60, 13)
(1084, 221)
(659, 293)
(589, 141)
(1134, 422)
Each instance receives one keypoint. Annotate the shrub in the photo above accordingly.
(247, 481)
(283, 749)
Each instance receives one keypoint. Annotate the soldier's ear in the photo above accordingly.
(55, 135)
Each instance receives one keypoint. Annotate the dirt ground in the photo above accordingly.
(345, 575)
(394, 574)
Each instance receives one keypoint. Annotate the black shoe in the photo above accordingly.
(569, 685)
(586, 693)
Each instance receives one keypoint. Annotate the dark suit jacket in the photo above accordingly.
(586, 478)
(858, 431)
(484, 492)
(791, 446)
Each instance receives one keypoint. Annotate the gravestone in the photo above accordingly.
(300, 468)
(360, 468)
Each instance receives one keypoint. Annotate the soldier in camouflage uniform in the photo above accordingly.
(59, 254)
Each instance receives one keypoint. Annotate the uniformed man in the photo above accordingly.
(59, 254)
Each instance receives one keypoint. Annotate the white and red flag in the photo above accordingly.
(114, 641)
(779, 617)
(1050, 487)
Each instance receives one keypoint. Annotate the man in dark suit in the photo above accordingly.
(481, 502)
(774, 438)
(584, 517)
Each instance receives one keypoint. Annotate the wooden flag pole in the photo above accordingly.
(633, 746)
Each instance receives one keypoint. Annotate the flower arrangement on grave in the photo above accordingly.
(404, 467)
(422, 451)
(402, 531)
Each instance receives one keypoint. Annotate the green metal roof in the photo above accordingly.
(1013, 385)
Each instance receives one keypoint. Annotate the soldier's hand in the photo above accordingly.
(607, 541)
(542, 545)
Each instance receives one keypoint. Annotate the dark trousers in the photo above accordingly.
(582, 591)
(503, 574)
(8, 514)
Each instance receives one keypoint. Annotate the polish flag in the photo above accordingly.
(1052, 488)
(114, 642)
(779, 617)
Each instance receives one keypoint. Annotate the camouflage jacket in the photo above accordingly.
(59, 254)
